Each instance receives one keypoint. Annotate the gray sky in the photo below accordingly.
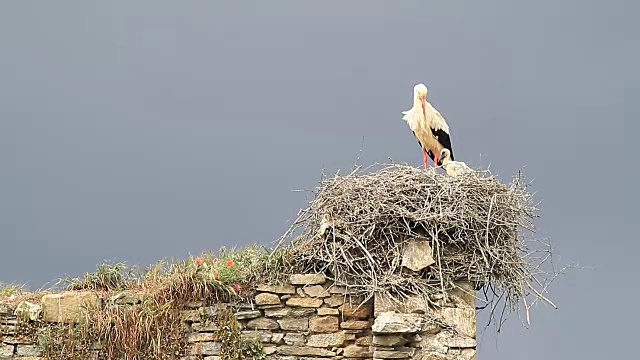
(142, 130)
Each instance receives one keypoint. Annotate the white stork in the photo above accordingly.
(453, 168)
(428, 126)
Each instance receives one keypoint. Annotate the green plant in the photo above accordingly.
(108, 276)
(233, 345)
(10, 289)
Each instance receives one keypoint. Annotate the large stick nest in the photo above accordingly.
(358, 227)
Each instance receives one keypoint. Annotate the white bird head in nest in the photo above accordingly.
(445, 155)
(453, 168)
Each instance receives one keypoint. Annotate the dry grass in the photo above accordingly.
(357, 225)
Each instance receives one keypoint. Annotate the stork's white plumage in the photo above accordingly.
(453, 168)
(428, 126)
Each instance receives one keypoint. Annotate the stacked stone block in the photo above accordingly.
(306, 319)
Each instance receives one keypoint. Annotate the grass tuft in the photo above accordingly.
(7, 290)
(108, 276)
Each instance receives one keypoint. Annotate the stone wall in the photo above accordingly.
(308, 318)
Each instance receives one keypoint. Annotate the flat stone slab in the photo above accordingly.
(68, 307)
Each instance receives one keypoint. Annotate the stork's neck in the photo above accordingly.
(417, 103)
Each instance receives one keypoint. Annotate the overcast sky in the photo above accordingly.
(139, 130)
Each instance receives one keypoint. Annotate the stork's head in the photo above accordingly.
(420, 93)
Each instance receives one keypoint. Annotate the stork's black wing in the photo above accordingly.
(444, 139)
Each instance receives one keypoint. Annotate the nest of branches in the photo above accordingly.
(359, 226)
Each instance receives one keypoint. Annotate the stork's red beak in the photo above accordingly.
(423, 102)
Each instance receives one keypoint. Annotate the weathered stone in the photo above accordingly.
(4, 308)
(6, 351)
(384, 303)
(468, 354)
(127, 298)
(194, 304)
(365, 340)
(262, 324)
(295, 324)
(328, 311)
(277, 313)
(205, 348)
(204, 327)
(334, 300)
(316, 291)
(349, 336)
(17, 340)
(248, 314)
(465, 292)
(463, 320)
(355, 351)
(28, 311)
(294, 339)
(268, 350)
(384, 348)
(304, 351)
(277, 338)
(267, 299)
(9, 320)
(431, 345)
(389, 340)
(207, 312)
(426, 355)
(304, 302)
(191, 315)
(355, 324)
(285, 297)
(277, 289)
(300, 312)
(326, 340)
(354, 311)
(27, 350)
(7, 329)
(336, 289)
(394, 354)
(324, 324)
(254, 335)
(307, 279)
(451, 340)
(417, 255)
(431, 328)
(391, 322)
(200, 337)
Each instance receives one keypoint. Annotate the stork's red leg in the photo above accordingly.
(435, 158)
(424, 158)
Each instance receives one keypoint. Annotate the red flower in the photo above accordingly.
(237, 287)
(198, 261)
(216, 276)
(229, 263)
